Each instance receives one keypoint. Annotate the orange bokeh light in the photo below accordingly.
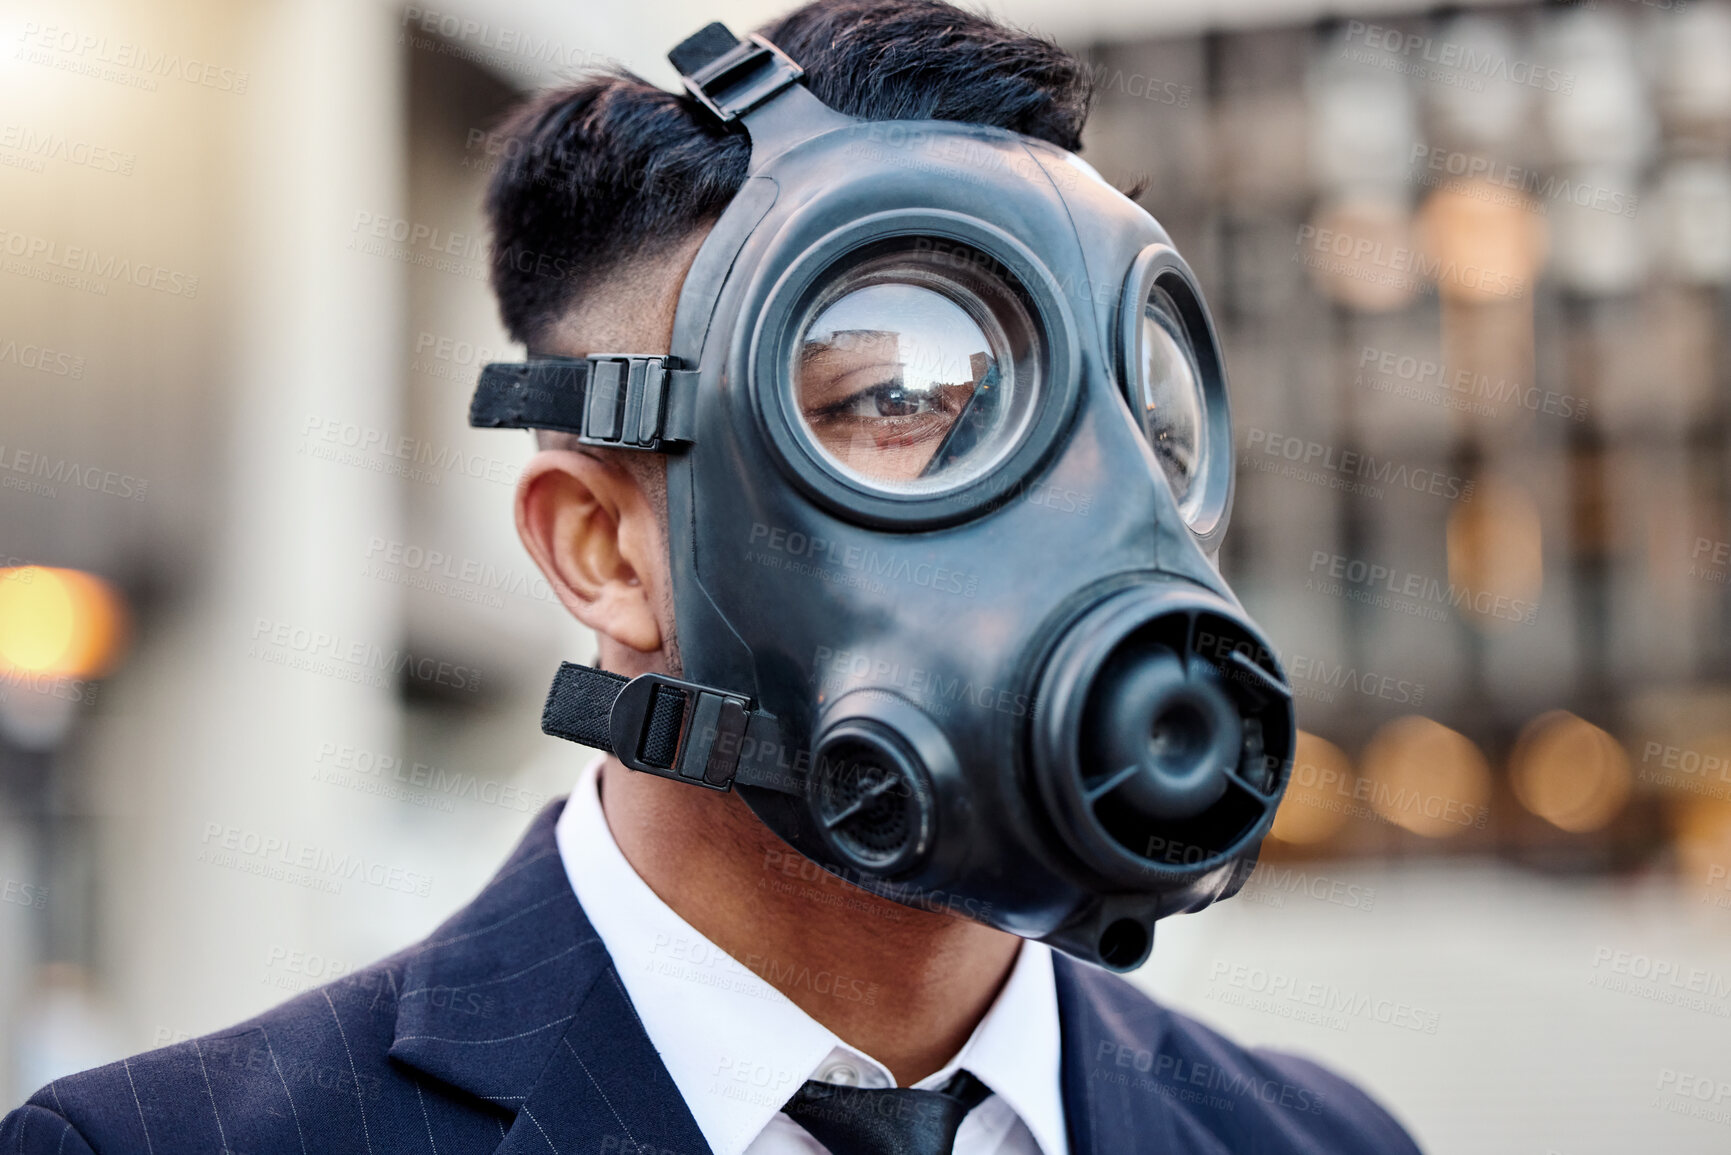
(1426, 777)
(1486, 243)
(60, 623)
(1311, 812)
(1496, 555)
(1569, 772)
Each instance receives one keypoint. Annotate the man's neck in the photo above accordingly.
(905, 986)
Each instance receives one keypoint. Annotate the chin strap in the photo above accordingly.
(674, 729)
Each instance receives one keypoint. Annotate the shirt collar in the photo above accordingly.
(736, 1047)
(1017, 1050)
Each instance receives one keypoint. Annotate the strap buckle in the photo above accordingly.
(711, 730)
(742, 78)
(626, 401)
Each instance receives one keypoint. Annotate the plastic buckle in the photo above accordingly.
(711, 730)
(742, 78)
(626, 400)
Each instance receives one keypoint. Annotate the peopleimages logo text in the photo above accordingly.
(867, 563)
(229, 845)
(1352, 463)
(1335, 251)
(83, 261)
(282, 642)
(1384, 586)
(1464, 59)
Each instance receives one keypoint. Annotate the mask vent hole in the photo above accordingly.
(863, 797)
(880, 824)
(1123, 944)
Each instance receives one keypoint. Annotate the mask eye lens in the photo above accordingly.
(1166, 394)
(891, 376)
(913, 376)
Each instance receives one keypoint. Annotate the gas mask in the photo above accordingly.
(948, 464)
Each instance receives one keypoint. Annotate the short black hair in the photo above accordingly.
(612, 168)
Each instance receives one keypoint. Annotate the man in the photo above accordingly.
(796, 908)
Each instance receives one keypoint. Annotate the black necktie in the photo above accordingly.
(887, 1121)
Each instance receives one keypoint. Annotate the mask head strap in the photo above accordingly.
(654, 723)
(729, 76)
(752, 84)
(623, 400)
(671, 728)
(635, 401)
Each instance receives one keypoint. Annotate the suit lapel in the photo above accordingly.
(605, 1089)
(514, 1000)
(1110, 1033)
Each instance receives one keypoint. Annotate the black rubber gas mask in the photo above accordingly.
(948, 461)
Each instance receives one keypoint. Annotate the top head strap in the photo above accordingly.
(729, 76)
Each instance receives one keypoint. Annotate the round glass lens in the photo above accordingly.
(913, 376)
(1168, 397)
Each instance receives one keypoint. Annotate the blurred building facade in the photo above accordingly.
(1470, 276)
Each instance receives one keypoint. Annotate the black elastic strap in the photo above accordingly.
(623, 400)
(579, 704)
(580, 707)
(707, 44)
(730, 76)
(730, 743)
(546, 393)
(661, 736)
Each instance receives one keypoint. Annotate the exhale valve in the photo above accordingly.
(1162, 749)
(1170, 734)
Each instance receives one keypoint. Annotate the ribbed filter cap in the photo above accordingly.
(1177, 725)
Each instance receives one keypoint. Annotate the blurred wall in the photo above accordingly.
(1470, 275)
(260, 345)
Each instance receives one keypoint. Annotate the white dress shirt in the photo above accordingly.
(738, 1048)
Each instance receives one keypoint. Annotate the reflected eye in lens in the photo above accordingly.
(913, 370)
(1168, 396)
(895, 402)
(884, 400)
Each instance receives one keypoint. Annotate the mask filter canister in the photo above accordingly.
(1161, 734)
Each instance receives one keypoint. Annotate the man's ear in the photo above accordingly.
(595, 535)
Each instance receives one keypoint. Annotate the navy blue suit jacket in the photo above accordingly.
(508, 1031)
